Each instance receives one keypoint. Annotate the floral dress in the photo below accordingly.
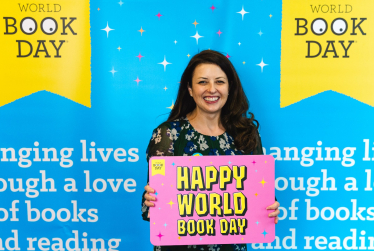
(179, 138)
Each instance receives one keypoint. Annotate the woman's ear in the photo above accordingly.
(189, 89)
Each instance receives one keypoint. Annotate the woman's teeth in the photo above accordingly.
(211, 99)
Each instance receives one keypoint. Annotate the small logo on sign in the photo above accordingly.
(158, 167)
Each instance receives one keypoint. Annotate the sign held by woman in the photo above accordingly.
(211, 199)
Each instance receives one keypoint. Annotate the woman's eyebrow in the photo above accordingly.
(207, 78)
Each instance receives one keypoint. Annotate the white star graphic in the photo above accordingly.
(107, 29)
(197, 36)
(262, 64)
(164, 63)
(120, 3)
(242, 12)
(260, 33)
(239, 43)
(113, 71)
(175, 42)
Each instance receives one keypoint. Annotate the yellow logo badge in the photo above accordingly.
(158, 167)
(45, 46)
(327, 46)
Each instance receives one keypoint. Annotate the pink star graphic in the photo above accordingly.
(219, 32)
(254, 162)
(158, 15)
(159, 235)
(139, 56)
(228, 56)
(137, 80)
(213, 8)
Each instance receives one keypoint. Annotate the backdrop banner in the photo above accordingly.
(84, 83)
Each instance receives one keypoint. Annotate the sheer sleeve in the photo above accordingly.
(161, 144)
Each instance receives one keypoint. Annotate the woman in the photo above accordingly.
(208, 118)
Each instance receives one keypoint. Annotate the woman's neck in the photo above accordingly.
(206, 123)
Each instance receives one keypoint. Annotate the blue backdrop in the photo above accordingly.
(132, 92)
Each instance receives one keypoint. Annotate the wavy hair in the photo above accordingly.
(234, 113)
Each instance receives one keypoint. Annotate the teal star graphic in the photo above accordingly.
(264, 233)
(257, 222)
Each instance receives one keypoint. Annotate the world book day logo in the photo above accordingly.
(45, 46)
(326, 46)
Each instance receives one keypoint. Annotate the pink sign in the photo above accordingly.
(212, 199)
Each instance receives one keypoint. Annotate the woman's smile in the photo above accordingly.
(211, 100)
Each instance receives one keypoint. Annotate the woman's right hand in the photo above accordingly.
(149, 198)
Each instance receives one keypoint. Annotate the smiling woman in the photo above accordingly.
(209, 118)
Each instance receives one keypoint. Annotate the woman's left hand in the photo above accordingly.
(275, 213)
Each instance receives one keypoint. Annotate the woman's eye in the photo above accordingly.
(202, 82)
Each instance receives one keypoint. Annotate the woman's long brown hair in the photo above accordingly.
(234, 113)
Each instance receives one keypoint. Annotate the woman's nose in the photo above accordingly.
(211, 87)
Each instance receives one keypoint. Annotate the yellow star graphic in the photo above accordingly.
(266, 162)
(172, 106)
(210, 162)
(256, 194)
(154, 223)
(179, 237)
(188, 55)
(171, 203)
(162, 184)
(98, 9)
(270, 15)
(243, 62)
(195, 23)
(141, 31)
(263, 182)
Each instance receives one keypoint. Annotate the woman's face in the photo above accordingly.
(210, 88)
